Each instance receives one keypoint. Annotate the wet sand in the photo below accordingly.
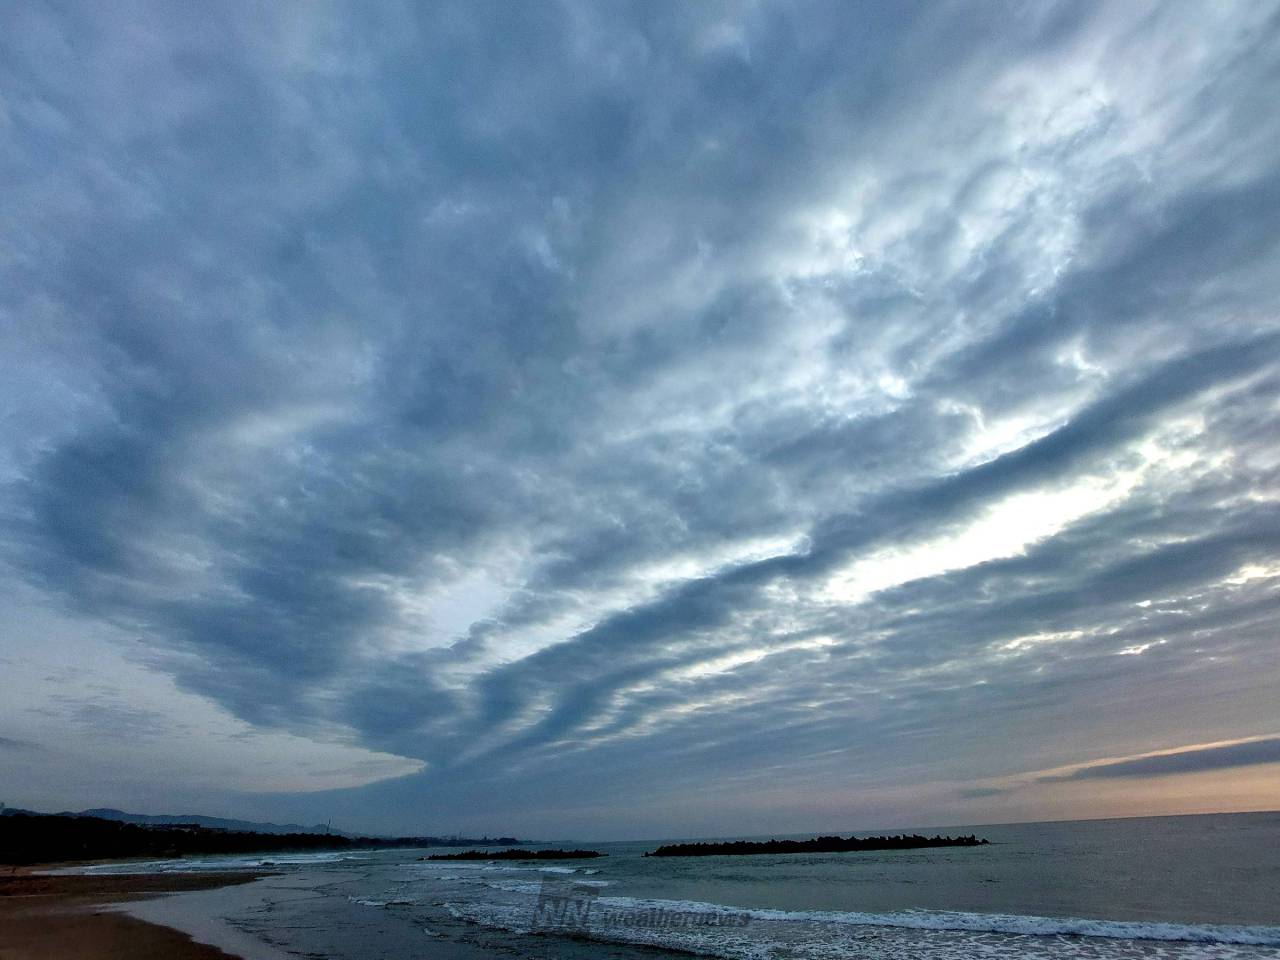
(72, 918)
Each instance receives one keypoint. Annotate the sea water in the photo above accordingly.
(1175, 887)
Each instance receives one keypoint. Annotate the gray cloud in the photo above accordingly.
(735, 391)
(1185, 761)
(979, 793)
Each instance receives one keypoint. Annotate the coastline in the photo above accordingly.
(1004, 901)
(190, 916)
(94, 917)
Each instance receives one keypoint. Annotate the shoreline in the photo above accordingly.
(96, 916)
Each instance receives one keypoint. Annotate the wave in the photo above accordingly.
(214, 863)
(949, 920)
(534, 886)
(514, 886)
(448, 867)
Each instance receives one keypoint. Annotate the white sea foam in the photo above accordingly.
(492, 866)
(770, 934)
(514, 886)
(533, 886)
(390, 902)
(214, 863)
(982, 922)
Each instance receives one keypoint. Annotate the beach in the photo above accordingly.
(571, 479)
(70, 917)
(1188, 888)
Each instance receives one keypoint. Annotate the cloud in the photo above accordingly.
(542, 397)
(979, 793)
(1193, 760)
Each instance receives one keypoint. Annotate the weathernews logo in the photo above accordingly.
(572, 906)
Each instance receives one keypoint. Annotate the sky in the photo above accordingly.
(635, 420)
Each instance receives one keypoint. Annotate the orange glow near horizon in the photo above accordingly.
(1240, 790)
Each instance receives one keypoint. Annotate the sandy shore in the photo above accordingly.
(70, 917)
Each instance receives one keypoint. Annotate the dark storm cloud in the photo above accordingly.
(512, 388)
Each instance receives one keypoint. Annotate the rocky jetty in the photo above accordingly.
(816, 845)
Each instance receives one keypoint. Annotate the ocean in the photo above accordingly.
(1163, 887)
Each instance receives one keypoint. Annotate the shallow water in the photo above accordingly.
(1180, 887)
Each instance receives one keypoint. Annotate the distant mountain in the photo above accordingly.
(51, 838)
(215, 823)
(251, 826)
